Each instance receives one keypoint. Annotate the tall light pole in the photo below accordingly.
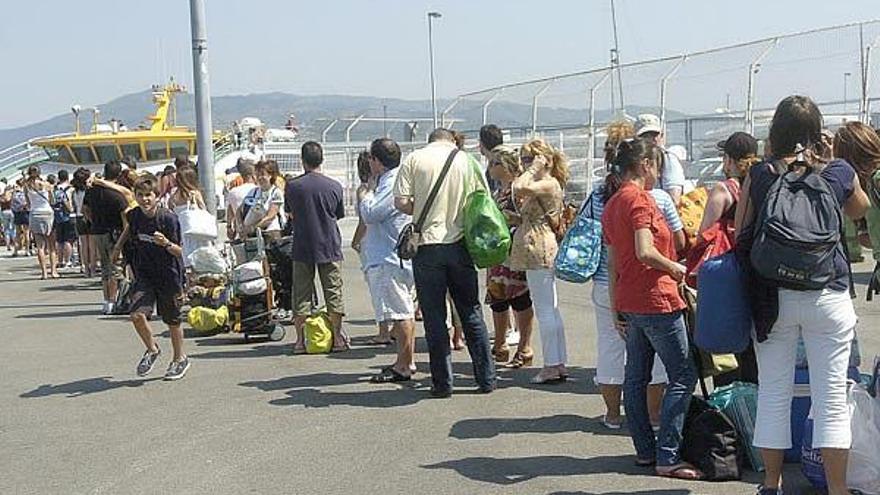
(431, 17)
(846, 76)
(204, 130)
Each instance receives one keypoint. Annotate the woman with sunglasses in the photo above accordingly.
(538, 195)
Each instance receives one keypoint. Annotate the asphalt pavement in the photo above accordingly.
(252, 418)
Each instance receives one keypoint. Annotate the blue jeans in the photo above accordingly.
(665, 335)
(442, 268)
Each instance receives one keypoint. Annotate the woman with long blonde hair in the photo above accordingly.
(538, 198)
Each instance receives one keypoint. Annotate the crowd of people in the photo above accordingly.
(644, 363)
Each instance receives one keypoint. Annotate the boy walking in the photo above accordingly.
(158, 268)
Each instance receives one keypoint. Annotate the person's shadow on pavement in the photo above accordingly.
(84, 387)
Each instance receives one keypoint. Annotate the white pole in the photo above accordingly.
(591, 124)
(431, 16)
(750, 97)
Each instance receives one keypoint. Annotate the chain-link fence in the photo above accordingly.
(701, 97)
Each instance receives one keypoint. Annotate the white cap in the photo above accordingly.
(647, 122)
(679, 151)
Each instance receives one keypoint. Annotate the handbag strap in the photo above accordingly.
(434, 190)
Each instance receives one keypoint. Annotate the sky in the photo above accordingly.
(61, 52)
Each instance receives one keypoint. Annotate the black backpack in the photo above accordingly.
(710, 443)
(798, 230)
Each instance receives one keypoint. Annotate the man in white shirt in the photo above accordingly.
(236, 196)
(442, 264)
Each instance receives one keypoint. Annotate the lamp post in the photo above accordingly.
(846, 76)
(431, 17)
(204, 131)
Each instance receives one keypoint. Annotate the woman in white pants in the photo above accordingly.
(826, 318)
(537, 195)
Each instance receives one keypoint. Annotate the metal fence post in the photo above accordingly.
(865, 102)
(535, 107)
(485, 107)
(866, 86)
(663, 85)
(327, 130)
(750, 96)
(349, 168)
(591, 129)
(351, 126)
(447, 110)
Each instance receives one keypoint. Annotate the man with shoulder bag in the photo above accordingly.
(432, 186)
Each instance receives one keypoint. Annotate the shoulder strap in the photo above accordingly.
(733, 187)
(434, 190)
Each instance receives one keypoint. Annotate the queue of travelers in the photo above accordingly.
(645, 361)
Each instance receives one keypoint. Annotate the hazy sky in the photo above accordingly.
(60, 52)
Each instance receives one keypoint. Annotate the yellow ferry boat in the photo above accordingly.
(153, 145)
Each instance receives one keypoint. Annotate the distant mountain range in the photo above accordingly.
(313, 114)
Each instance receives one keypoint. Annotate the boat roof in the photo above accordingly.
(177, 134)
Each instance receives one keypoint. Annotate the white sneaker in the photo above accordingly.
(108, 308)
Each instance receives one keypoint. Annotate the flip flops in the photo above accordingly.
(681, 471)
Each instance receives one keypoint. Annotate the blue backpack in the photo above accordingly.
(724, 318)
(581, 249)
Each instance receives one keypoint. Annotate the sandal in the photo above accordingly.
(378, 341)
(502, 355)
(681, 471)
(389, 375)
(520, 360)
(543, 379)
(616, 425)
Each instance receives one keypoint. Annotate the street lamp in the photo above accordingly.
(431, 17)
(846, 75)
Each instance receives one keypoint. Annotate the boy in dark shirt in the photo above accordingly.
(158, 268)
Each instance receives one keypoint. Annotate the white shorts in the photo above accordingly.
(610, 347)
(391, 288)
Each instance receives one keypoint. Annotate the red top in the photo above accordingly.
(639, 289)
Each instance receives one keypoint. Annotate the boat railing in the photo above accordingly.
(224, 145)
(19, 156)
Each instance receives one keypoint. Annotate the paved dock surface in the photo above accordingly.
(252, 418)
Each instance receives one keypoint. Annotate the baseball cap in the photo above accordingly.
(647, 122)
(739, 145)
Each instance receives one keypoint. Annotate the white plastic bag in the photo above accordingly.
(863, 468)
(197, 223)
(207, 259)
(249, 277)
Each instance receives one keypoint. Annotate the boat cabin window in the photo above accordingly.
(156, 150)
(60, 154)
(179, 148)
(133, 150)
(83, 154)
(106, 152)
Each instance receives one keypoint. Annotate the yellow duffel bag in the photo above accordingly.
(204, 319)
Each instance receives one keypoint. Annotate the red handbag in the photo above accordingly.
(716, 240)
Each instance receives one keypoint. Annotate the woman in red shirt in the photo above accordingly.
(643, 279)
